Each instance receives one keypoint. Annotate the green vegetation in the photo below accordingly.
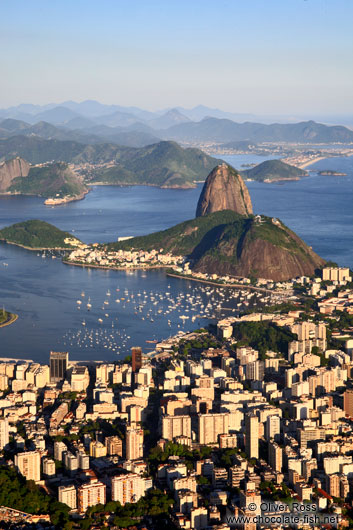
(36, 234)
(163, 164)
(263, 336)
(5, 316)
(21, 494)
(185, 238)
(273, 170)
(53, 180)
(154, 504)
(158, 455)
(203, 342)
(225, 242)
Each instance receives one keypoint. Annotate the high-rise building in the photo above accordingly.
(348, 402)
(58, 365)
(134, 443)
(127, 488)
(252, 435)
(173, 426)
(272, 427)
(79, 378)
(97, 449)
(48, 467)
(59, 449)
(136, 354)
(275, 456)
(68, 496)
(333, 485)
(114, 445)
(91, 494)
(4, 433)
(28, 464)
(83, 460)
(212, 425)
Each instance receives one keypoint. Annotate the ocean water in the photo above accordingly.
(45, 292)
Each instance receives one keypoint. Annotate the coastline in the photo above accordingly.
(149, 185)
(106, 267)
(227, 285)
(312, 161)
(36, 249)
(65, 200)
(12, 319)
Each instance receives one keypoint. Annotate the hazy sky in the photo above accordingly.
(261, 56)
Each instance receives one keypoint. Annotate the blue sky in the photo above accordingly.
(257, 56)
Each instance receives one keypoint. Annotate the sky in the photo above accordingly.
(288, 57)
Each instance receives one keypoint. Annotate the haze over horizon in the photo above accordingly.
(262, 58)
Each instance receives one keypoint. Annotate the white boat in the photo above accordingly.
(78, 302)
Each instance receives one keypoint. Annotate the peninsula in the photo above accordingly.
(7, 318)
(54, 181)
(223, 243)
(274, 171)
(38, 235)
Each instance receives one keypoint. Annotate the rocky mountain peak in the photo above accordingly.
(224, 189)
(11, 169)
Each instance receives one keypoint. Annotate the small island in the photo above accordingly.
(38, 235)
(331, 173)
(7, 318)
(273, 171)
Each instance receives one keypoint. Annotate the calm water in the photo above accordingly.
(44, 292)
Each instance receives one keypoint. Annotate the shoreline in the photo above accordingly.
(65, 200)
(131, 185)
(106, 267)
(12, 319)
(227, 285)
(35, 249)
(312, 161)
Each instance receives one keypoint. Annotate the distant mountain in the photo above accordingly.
(13, 126)
(224, 189)
(39, 150)
(274, 170)
(37, 235)
(172, 117)
(56, 116)
(162, 164)
(93, 109)
(117, 119)
(79, 122)
(90, 135)
(56, 181)
(200, 112)
(215, 130)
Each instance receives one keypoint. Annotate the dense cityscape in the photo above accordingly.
(246, 422)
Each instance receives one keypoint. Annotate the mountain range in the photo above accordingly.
(164, 164)
(91, 121)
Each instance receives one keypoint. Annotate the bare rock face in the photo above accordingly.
(11, 169)
(224, 189)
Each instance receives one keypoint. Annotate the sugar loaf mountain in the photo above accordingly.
(226, 238)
